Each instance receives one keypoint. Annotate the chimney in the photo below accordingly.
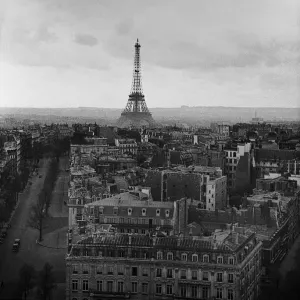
(236, 238)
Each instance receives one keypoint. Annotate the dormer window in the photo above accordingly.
(231, 260)
(184, 256)
(170, 256)
(115, 210)
(220, 260)
(101, 211)
(144, 212)
(167, 213)
(194, 257)
(158, 212)
(129, 211)
(205, 258)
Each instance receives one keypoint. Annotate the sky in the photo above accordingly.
(79, 53)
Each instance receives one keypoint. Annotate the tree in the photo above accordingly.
(37, 215)
(27, 275)
(46, 281)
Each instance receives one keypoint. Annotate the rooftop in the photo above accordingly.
(228, 241)
(131, 199)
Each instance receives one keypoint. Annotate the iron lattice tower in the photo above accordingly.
(136, 102)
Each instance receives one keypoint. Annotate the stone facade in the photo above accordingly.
(143, 267)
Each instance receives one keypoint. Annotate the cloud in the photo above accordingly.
(207, 52)
(86, 40)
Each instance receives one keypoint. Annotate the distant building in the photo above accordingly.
(204, 184)
(238, 167)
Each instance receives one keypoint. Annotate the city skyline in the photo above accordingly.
(208, 53)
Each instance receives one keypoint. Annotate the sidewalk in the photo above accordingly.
(56, 239)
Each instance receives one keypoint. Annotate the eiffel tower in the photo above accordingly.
(136, 113)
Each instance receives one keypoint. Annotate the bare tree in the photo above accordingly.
(27, 275)
(46, 281)
(37, 215)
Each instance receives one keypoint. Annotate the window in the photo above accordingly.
(75, 269)
(121, 254)
(184, 256)
(219, 293)
(158, 272)
(194, 275)
(170, 256)
(194, 291)
(230, 294)
(205, 276)
(205, 292)
(122, 230)
(120, 269)
(167, 213)
(194, 257)
(183, 291)
(99, 285)
(205, 258)
(99, 269)
(159, 255)
(74, 285)
(158, 288)
(231, 260)
(85, 285)
(120, 287)
(144, 288)
(169, 289)
(110, 286)
(144, 212)
(219, 277)
(143, 231)
(110, 270)
(169, 273)
(134, 287)
(158, 212)
(145, 272)
(183, 274)
(134, 271)
(230, 278)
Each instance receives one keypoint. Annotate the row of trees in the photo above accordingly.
(43, 281)
(39, 210)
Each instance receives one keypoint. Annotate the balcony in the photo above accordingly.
(109, 295)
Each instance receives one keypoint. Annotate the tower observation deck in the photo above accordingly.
(136, 113)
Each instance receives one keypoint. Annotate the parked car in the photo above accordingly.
(16, 245)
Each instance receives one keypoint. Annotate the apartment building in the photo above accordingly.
(200, 183)
(123, 266)
(132, 212)
(238, 166)
(127, 146)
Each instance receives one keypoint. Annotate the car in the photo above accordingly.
(15, 247)
(18, 241)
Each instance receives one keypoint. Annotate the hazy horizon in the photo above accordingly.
(154, 107)
(74, 53)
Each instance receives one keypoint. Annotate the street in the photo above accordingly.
(30, 252)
